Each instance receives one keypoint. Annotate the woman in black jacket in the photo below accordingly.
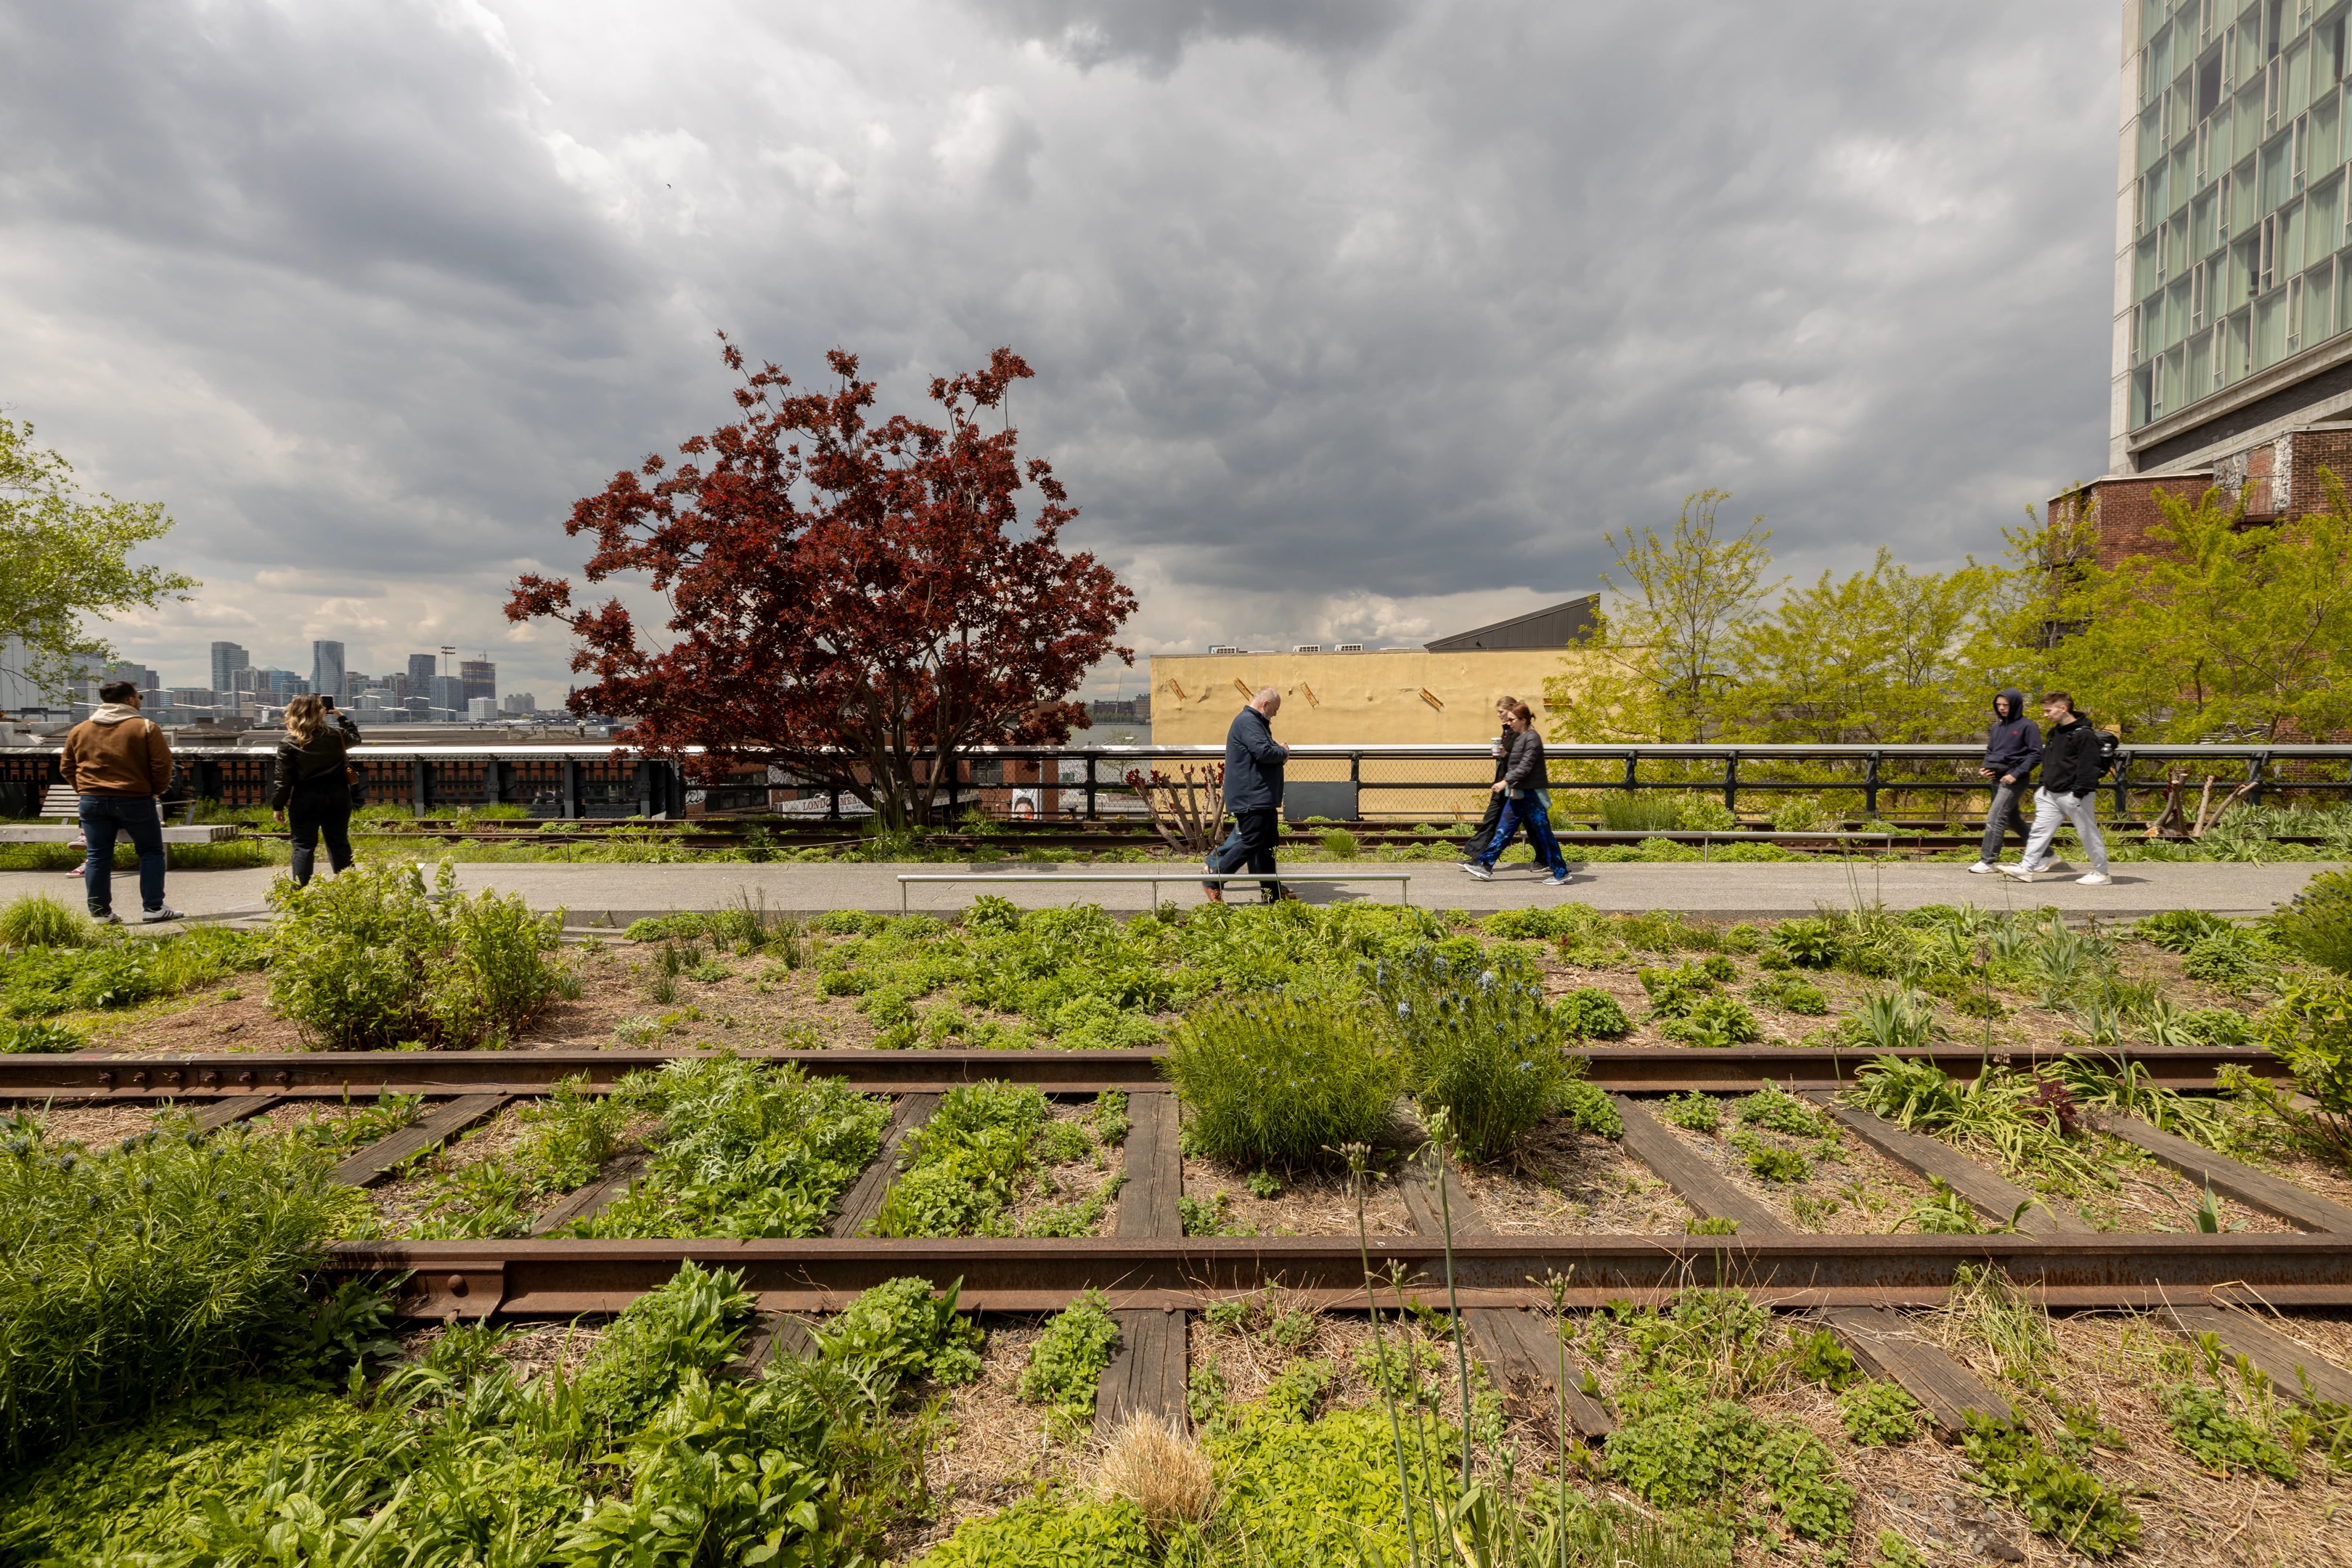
(313, 784)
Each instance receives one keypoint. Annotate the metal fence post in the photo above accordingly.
(2123, 783)
(1633, 761)
(2255, 765)
(1090, 786)
(1870, 787)
(420, 787)
(1730, 784)
(572, 772)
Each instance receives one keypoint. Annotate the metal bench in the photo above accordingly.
(62, 802)
(1403, 879)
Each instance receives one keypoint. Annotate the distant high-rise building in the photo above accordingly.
(422, 669)
(327, 669)
(448, 703)
(139, 675)
(481, 679)
(519, 702)
(227, 660)
(481, 710)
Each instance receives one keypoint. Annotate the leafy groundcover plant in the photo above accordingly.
(370, 960)
(646, 1455)
(135, 1274)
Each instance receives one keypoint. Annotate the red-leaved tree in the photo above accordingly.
(845, 597)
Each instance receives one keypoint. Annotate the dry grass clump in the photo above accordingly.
(1156, 1466)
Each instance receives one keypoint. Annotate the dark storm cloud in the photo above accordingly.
(1345, 314)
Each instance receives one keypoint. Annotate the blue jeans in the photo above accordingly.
(1531, 811)
(104, 816)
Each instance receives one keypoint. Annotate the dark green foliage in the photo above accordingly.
(2058, 1499)
(1693, 1113)
(1793, 993)
(1716, 1022)
(2216, 1027)
(2178, 930)
(1675, 992)
(1809, 943)
(133, 1275)
(2310, 1030)
(963, 1166)
(1067, 1361)
(1282, 1080)
(1769, 1161)
(1588, 1108)
(643, 1457)
(1780, 1111)
(120, 970)
(1880, 1415)
(2317, 924)
(1589, 1013)
(900, 1329)
(1480, 1045)
(2220, 1438)
(370, 960)
(745, 1150)
(28, 1036)
(1675, 1449)
(1817, 1357)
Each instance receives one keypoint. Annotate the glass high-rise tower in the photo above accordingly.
(2232, 322)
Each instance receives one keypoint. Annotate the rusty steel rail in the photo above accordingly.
(561, 1278)
(328, 1075)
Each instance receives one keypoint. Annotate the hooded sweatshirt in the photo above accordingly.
(2014, 745)
(117, 751)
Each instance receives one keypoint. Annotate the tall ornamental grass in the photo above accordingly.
(1280, 1079)
(370, 960)
(136, 1274)
(1477, 1041)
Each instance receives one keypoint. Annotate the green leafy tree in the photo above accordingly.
(69, 556)
(1879, 657)
(2219, 628)
(1663, 666)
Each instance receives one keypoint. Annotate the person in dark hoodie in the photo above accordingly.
(2070, 784)
(1254, 763)
(1526, 804)
(1495, 798)
(313, 784)
(2012, 751)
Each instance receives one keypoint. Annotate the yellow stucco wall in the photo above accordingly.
(1342, 698)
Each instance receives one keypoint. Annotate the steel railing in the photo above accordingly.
(1090, 783)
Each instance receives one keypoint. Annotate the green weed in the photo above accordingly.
(1280, 1080)
(1480, 1045)
(1067, 1361)
(2057, 1498)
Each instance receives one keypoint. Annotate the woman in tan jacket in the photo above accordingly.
(313, 785)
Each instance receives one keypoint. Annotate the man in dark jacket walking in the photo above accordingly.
(2070, 784)
(1253, 793)
(2012, 751)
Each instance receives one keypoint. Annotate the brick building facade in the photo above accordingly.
(2276, 478)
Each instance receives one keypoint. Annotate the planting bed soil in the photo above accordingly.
(1743, 1436)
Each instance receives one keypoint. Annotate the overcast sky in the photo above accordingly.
(1353, 320)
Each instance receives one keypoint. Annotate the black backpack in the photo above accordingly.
(2109, 744)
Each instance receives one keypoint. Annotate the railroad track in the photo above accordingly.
(328, 1075)
(1154, 1275)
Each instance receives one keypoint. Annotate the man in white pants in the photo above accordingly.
(2069, 792)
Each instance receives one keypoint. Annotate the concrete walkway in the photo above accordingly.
(615, 895)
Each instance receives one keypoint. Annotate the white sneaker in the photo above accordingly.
(1981, 869)
(1478, 872)
(1557, 881)
(2022, 873)
(2094, 880)
(161, 912)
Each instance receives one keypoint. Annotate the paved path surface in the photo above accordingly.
(618, 894)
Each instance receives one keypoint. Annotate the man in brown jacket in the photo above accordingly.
(120, 765)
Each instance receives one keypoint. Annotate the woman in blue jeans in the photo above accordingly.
(1526, 804)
